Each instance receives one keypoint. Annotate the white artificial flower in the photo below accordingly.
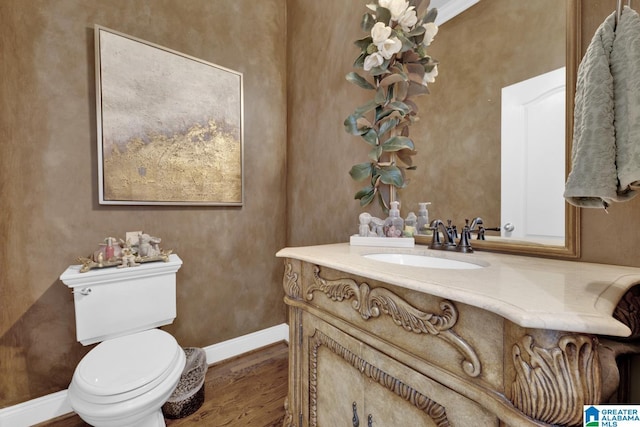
(372, 7)
(384, 3)
(408, 19)
(390, 47)
(380, 32)
(430, 77)
(430, 31)
(373, 60)
(397, 8)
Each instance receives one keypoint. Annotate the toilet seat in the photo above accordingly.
(123, 368)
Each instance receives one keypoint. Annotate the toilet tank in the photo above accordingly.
(111, 302)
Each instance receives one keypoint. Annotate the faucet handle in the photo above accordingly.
(464, 245)
(451, 230)
(436, 243)
(481, 233)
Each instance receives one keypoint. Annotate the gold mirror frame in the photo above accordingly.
(571, 248)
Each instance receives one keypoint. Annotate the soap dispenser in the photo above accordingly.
(422, 225)
(394, 224)
(410, 225)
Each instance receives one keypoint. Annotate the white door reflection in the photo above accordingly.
(533, 159)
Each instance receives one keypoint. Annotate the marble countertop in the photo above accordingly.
(531, 292)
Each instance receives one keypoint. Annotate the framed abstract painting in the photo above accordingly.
(169, 126)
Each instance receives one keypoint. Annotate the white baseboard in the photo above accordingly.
(56, 404)
(36, 410)
(240, 345)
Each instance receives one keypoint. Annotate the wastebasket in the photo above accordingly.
(189, 393)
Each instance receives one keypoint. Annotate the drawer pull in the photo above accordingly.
(356, 421)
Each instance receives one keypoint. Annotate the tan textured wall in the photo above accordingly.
(458, 135)
(230, 283)
(320, 153)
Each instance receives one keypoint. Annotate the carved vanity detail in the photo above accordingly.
(382, 345)
(570, 372)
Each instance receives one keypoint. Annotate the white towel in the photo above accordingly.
(606, 140)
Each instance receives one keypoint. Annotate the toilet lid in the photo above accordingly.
(127, 364)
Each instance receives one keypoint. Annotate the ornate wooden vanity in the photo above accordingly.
(520, 341)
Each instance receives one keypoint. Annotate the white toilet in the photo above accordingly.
(125, 380)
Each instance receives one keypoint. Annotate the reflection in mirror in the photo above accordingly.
(533, 159)
(487, 55)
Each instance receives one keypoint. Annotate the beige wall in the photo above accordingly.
(230, 283)
(49, 214)
(320, 153)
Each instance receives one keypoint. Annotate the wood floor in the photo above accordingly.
(246, 391)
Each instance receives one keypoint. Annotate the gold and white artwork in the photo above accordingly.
(169, 126)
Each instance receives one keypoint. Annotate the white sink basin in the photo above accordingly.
(423, 261)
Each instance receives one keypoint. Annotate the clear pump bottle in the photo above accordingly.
(394, 224)
(410, 225)
(422, 224)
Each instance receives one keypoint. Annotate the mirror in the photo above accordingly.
(459, 134)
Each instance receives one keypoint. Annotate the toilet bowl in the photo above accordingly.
(130, 374)
(125, 381)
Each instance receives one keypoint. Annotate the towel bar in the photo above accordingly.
(619, 9)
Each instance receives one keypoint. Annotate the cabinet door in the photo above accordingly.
(397, 395)
(385, 408)
(334, 385)
(341, 372)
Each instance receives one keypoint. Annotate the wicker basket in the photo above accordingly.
(189, 393)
